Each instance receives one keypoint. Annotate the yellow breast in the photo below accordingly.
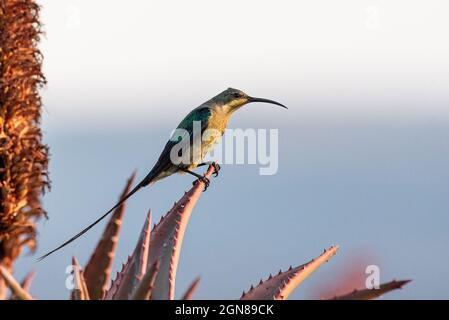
(219, 119)
(217, 124)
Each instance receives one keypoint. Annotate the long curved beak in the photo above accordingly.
(252, 99)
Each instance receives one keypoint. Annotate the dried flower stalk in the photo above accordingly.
(23, 156)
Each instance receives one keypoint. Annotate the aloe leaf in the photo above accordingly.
(98, 269)
(25, 284)
(166, 240)
(188, 295)
(145, 288)
(280, 286)
(79, 291)
(115, 284)
(136, 265)
(13, 285)
(369, 294)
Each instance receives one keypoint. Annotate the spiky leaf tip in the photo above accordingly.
(369, 294)
(188, 295)
(79, 291)
(280, 286)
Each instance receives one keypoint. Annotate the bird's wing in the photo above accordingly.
(164, 162)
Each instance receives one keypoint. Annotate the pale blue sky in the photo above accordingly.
(363, 147)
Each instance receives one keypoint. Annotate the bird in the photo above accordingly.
(212, 117)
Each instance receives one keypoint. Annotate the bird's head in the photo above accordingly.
(232, 99)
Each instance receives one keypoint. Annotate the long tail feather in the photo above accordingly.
(140, 185)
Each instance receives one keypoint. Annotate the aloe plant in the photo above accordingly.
(150, 271)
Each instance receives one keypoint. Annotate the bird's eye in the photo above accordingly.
(237, 95)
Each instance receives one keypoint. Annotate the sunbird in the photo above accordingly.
(212, 116)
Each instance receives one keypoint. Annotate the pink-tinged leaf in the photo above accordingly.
(191, 290)
(145, 288)
(369, 294)
(13, 285)
(25, 284)
(347, 276)
(98, 269)
(79, 291)
(136, 266)
(3, 289)
(167, 237)
(280, 286)
(115, 284)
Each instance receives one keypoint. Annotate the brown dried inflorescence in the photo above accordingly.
(23, 156)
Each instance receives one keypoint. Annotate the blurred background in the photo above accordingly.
(363, 148)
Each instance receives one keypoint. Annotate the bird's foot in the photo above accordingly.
(216, 168)
(214, 164)
(205, 180)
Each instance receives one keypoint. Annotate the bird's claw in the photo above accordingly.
(216, 168)
(205, 180)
